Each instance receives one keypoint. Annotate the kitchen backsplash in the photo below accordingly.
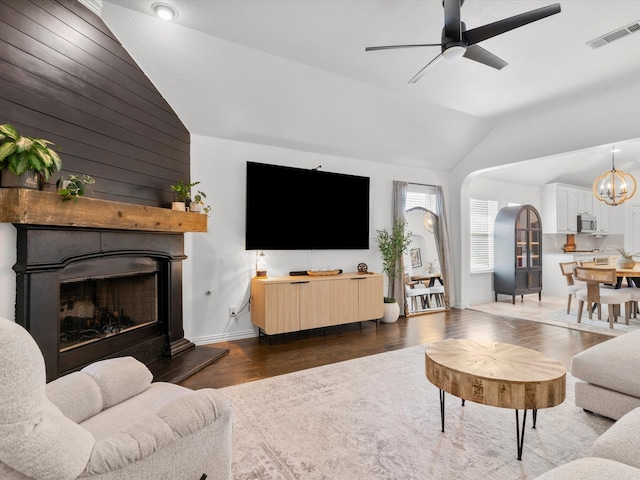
(553, 243)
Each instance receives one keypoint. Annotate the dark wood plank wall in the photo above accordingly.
(66, 78)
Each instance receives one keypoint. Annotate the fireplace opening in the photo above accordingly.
(93, 309)
(105, 297)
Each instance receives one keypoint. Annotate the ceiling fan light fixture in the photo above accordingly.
(164, 11)
(453, 52)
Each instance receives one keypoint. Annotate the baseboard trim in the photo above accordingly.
(224, 337)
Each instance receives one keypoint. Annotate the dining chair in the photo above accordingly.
(414, 291)
(595, 278)
(572, 286)
(437, 293)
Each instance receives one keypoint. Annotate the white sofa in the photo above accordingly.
(614, 455)
(108, 421)
(607, 376)
(608, 384)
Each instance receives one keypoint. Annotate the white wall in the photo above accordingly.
(7, 275)
(218, 262)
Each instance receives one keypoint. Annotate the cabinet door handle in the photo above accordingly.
(295, 283)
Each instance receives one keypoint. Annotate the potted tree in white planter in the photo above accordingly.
(393, 245)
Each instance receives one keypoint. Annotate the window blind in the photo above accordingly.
(482, 215)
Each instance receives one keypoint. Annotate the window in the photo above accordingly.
(424, 199)
(482, 215)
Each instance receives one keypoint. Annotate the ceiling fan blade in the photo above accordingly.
(476, 35)
(452, 30)
(479, 54)
(419, 75)
(389, 47)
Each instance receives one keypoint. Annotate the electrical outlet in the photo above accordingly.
(233, 311)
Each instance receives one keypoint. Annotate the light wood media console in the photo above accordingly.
(294, 303)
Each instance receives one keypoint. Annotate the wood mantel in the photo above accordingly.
(34, 207)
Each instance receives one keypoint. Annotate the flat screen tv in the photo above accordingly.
(297, 209)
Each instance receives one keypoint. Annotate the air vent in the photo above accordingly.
(615, 35)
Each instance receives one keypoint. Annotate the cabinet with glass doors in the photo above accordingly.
(518, 252)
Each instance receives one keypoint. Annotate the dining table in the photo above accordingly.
(428, 278)
(632, 275)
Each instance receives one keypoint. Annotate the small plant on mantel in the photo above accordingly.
(71, 186)
(182, 195)
(197, 203)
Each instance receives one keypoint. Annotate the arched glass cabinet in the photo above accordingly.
(517, 252)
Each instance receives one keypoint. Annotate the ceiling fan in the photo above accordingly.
(458, 42)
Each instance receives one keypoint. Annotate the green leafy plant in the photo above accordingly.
(199, 196)
(198, 201)
(19, 153)
(393, 245)
(182, 190)
(71, 186)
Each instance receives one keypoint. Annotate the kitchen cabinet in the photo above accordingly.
(584, 201)
(601, 211)
(560, 208)
(517, 252)
(561, 205)
(294, 303)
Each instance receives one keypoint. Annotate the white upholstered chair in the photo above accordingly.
(105, 422)
(596, 293)
(573, 286)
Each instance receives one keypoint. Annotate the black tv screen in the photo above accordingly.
(297, 209)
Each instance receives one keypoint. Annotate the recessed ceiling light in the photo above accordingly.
(164, 11)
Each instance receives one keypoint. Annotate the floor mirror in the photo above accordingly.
(424, 286)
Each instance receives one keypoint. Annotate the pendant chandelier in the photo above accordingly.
(614, 187)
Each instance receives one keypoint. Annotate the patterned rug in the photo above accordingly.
(378, 417)
(553, 311)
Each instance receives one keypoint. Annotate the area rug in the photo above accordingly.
(378, 417)
(553, 311)
(571, 320)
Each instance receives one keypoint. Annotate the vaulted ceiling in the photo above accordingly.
(547, 60)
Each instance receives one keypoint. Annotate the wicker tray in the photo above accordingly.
(322, 273)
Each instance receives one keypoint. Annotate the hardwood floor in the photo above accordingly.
(253, 359)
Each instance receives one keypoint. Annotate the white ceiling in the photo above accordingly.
(548, 59)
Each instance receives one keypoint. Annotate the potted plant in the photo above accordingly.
(626, 260)
(431, 266)
(393, 245)
(182, 195)
(25, 159)
(71, 186)
(197, 203)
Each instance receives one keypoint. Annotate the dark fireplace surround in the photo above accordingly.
(49, 255)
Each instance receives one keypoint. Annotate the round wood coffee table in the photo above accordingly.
(496, 374)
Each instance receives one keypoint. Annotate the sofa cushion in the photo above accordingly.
(620, 442)
(591, 467)
(183, 416)
(119, 378)
(77, 395)
(611, 364)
